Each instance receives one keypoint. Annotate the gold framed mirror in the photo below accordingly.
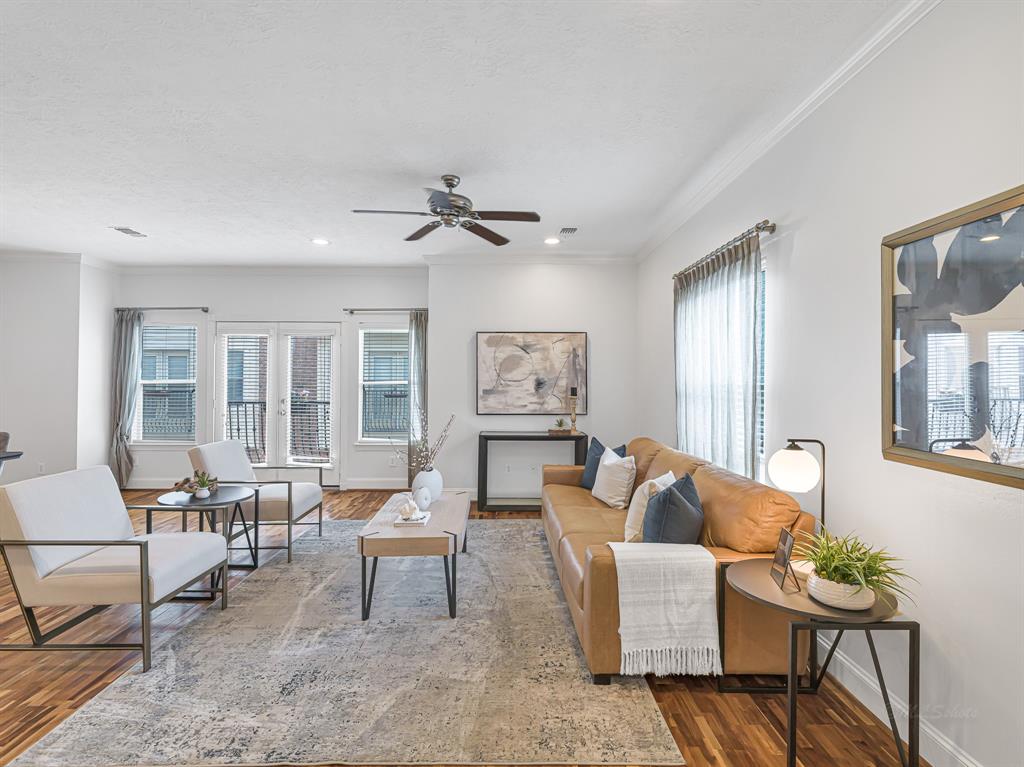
(953, 342)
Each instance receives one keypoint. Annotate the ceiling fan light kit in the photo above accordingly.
(455, 211)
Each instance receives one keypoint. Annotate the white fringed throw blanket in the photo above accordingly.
(668, 617)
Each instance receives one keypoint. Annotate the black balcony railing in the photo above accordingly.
(385, 410)
(949, 420)
(310, 438)
(247, 422)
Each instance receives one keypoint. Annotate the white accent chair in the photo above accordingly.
(67, 540)
(277, 502)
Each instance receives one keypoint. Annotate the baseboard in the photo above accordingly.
(936, 747)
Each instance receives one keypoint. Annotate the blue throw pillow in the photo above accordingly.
(594, 460)
(675, 514)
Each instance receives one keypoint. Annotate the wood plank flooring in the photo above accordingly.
(39, 690)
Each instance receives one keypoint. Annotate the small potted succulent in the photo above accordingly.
(200, 485)
(848, 573)
(561, 427)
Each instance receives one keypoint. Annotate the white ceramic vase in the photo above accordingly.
(201, 492)
(841, 595)
(431, 479)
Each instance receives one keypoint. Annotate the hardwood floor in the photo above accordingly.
(39, 690)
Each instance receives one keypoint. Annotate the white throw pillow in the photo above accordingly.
(634, 532)
(615, 477)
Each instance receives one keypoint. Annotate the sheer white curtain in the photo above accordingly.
(718, 347)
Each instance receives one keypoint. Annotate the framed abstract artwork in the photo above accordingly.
(953, 342)
(530, 373)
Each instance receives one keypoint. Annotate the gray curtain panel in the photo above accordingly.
(417, 384)
(127, 368)
(718, 328)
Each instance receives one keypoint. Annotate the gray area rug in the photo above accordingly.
(289, 674)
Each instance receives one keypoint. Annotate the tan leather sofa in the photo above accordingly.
(742, 519)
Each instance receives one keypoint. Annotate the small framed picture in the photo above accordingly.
(780, 565)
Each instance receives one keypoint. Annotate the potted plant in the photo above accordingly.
(848, 573)
(200, 485)
(561, 427)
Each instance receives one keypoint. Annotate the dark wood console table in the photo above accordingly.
(578, 438)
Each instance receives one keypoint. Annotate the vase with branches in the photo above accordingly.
(420, 455)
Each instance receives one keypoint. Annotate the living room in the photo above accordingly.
(683, 229)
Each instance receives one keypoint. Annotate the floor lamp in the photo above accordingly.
(796, 470)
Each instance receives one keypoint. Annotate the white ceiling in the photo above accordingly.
(233, 132)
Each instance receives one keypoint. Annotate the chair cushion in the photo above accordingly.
(274, 501)
(226, 460)
(110, 575)
(84, 504)
(742, 514)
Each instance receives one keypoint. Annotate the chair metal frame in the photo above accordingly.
(41, 639)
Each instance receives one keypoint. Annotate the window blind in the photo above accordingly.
(1006, 394)
(309, 412)
(948, 387)
(245, 413)
(167, 384)
(384, 388)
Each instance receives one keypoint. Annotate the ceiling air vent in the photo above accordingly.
(127, 230)
(567, 232)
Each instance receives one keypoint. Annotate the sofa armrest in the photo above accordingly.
(600, 638)
(562, 475)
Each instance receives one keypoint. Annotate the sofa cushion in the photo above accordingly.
(742, 514)
(634, 529)
(562, 520)
(674, 515)
(569, 495)
(572, 551)
(643, 450)
(678, 463)
(594, 455)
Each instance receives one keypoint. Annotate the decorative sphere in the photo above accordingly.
(422, 498)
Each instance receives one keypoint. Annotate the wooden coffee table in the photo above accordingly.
(443, 536)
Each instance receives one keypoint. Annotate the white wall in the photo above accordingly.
(39, 361)
(98, 285)
(276, 295)
(936, 122)
(597, 298)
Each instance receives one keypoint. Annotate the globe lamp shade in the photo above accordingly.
(794, 470)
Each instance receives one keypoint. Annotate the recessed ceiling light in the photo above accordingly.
(551, 241)
(320, 241)
(990, 238)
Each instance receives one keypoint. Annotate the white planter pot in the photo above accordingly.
(841, 595)
(431, 479)
(203, 492)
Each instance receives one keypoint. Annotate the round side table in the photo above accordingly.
(228, 499)
(752, 579)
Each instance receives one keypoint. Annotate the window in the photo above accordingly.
(383, 384)
(166, 406)
(309, 388)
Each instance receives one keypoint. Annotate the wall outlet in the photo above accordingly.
(508, 468)
(393, 461)
(42, 468)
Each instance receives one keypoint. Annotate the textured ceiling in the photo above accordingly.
(233, 132)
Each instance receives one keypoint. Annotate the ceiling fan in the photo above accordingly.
(454, 210)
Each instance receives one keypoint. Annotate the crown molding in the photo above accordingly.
(709, 182)
(36, 256)
(274, 271)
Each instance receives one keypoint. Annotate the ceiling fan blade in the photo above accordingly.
(506, 215)
(395, 212)
(423, 231)
(482, 231)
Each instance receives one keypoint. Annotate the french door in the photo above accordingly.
(277, 387)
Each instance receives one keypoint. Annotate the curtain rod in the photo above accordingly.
(205, 309)
(378, 311)
(761, 226)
